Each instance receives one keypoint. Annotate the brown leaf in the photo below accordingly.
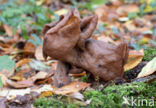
(39, 54)
(20, 84)
(19, 101)
(148, 69)
(22, 62)
(125, 9)
(29, 48)
(7, 73)
(134, 58)
(8, 30)
(23, 74)
(16, 36)
(106, 13)
(39, 75)
(78, 75)
(71, 88)
(47, 81)
(30, 81)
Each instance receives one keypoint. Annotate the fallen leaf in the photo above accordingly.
(7, 73)
(145, 79)
(134, 58)
(39, 79)
(3, 79)
(19, 101)
(38, 65)
(46, 87)
(20, 84)
(39, 54)
(29, 48)
(78, 75)
(23, 74)
(71, 88)
(17, 78)
(46, 93)
(22, 62)
(148, 69)
(39, 75)
(76, 95)
(145, 39)
(8, 30)
(30, 81)
(47, 81)
(135, 53)
(3, 102)
(16, 36)
(11, 93)
(61, 11)
(105, 13)
(125, 9)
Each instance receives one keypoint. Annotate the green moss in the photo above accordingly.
(149, 54)
(84, 78)
(45, 102)
(55, 102)
(110, 97)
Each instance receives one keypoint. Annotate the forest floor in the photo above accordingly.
(26, 78)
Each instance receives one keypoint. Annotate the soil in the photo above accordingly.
(133, 73)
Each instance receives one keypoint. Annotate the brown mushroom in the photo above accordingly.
(68, 40)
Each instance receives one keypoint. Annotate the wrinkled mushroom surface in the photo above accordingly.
(68, 40)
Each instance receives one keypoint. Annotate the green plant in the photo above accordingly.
(6, 63)
(149, 54)
(84, 78)
(26, 16)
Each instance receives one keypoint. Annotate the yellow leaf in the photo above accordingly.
(149, 1)
(134, 58)
(145, 39)
(148, 69)
(17, 78)
(148, 8)
(46, 93)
